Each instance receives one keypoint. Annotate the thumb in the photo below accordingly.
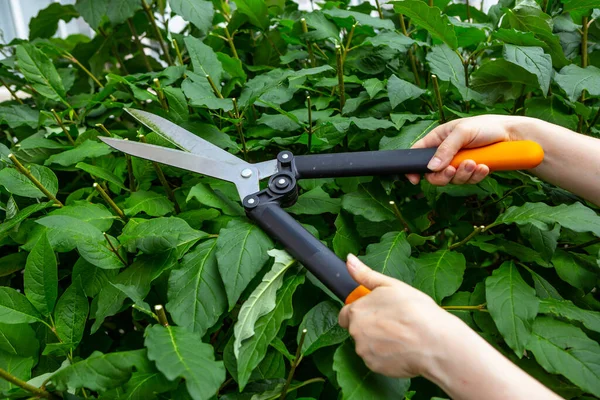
(447, 150)
(365, 276)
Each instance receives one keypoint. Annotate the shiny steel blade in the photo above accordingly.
(182, 138)
(245, 176)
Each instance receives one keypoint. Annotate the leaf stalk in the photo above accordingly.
(476, 231)
(295, 363)
(161, 95)
(113, 249)
(238, 126)
(110, 201)
(62, 126)
(34, 180)
(25, 386)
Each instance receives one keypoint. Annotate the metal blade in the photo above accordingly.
(182, 138)
(245, 176)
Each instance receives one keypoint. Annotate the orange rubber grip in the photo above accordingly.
(356, 294)
(503, 156)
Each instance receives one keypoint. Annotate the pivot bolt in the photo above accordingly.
(281, 181)
(246, 173)
(285, 156)
(251, 201)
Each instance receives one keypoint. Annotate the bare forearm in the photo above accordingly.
(571, 160)
(470, 368)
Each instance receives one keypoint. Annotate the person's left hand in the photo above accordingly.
(399, 331)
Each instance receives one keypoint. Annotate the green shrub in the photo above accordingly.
(86, 260)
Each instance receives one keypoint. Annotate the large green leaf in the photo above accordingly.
(256, 11)
(19, 184)
(71, 314)
(561, 348)
(429, 18)
(512, 305)
(41, 276)
(92, 11)
(19, 340)
(574, 80)
(576, 216)
(120, 10)
(15, 308)
(88, 149)
(40, 72)
(101, 253)
(17, 366)
(534, 60)
(101, 174)
(179, 353)
(262, 299)
(400, 90)
(578, 270)
(65, 232)
(100, 372)
(446, 65)
(45, 23)
(96, 215)
(19, 115)
(408, 136)
(391, 256)
(322, 327)
(368, 201)
(254, 349)
(22, 215)
(361, 18)
(241, 253)
(204, 60)
(196, 293)
(214, 198)
(315, 202)
(198, 12)
(566, 309)
(346, 239)
(501, 80)
(93, 279)
(439, 274)
(359, 382)
(151, 203)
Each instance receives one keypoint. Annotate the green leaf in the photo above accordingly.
(346, 239)
(92, 11)
(151, 203)
(551, 110)
(500, 79)
(93, 279)
(198, 12)
(241, 253)
(256, 11)
(400, 90)
(71, 314)
(41, 276)
(357, 381)
(179, 353)
(196, 293)
(101, 173)
(409, 135)
(214, 198)
(393, 40)
(45, 24)
(429, 18)
(87, 149)
(543, 241)
(64, 232)
(373, 86)
(19, 184)
(15, 308)
(534, 60)
(578, 270)
(100, 372)
(561, 348)
(262, 299)
(100, 253)
(574, 80)
(17, 366)
(360, 18)
(322, 328)
(315, 202)
(566, 309)
(121, 10)
(12, 263)
(204, 60)
(254, 349)
(96, 215)
(439, 274)
(576, 217)
(40, 72)
(22, 215)
(512, 305)
(391, 256)
(161, 234)
(368, 201)
(19, 340)
(19, 115)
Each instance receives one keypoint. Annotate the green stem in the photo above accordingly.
(596, 117)
(162, 316)
(33, 180)
(480, 307)
(294, 365)
(378, 9)
(238, 127)
(584, 43)
(348, 42)
(231, 44)
(114, 250)
(62, 126)
(407, 225)
(103, 129)
(411, 56)
(130, 175)
(161, 95)
(110, 201)
(438, 98)
(584, 245)
(305, 383)
(144, 311)
(310, 130)
(139, 45)
(311, 54)
(177, 52)
(25, 386)
(70, 57)
(476, 231)
(12, 93)
(161, 41)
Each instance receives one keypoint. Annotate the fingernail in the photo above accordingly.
(449, 173)
(413, 180)
(353, 262)
(470, 167)
(434, 163)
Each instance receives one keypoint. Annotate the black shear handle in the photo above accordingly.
(308, 250)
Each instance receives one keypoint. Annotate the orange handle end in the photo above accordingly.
(503, 156)
(357, 293)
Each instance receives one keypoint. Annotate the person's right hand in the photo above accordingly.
(464, 133)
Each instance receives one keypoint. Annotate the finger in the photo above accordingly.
(365, 275)
(480, 173)
(441, 178)
(464, 172)
(344, 317)
(436, 136)
(447, 150)
(413, 178)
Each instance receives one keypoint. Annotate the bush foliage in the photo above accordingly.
(93, 240)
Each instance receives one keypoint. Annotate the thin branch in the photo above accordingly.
(476, 231)
(238, 126)
(411, 56)
(25, 386)
(114, 250)
(231, 44)
(399, 215)
(177, 52)
(379, 9)
(480, 307)
(438, 98)
(161, 95)
(34, 180)
(60, 123)
(110, 201)
(139, 45)
(348, 42)
(162, 317)
(103, 129)
(309, 129)
(12, 93)
(311, 54)
(294, 365)
(70, 57)
(161, 41)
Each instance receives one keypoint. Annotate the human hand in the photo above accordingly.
(462, 133)
(399, 331)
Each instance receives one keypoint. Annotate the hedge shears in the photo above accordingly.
(266, 207)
